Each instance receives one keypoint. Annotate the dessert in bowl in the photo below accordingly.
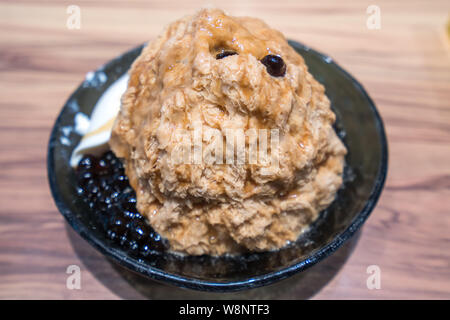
(172, 196)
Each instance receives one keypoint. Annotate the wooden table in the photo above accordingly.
(405, 66)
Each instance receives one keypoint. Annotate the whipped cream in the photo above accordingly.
(96, 137)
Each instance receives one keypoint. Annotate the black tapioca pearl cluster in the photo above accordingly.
(104, 186)
(99, 180)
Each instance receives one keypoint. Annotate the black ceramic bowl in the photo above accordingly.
(358, 124)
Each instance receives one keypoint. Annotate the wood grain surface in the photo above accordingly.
(405, 66)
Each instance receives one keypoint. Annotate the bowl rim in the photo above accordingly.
(257, 281)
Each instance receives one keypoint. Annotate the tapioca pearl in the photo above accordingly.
(225, 53)
(275, 65)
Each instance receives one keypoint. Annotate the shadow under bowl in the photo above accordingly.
(357, 123)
